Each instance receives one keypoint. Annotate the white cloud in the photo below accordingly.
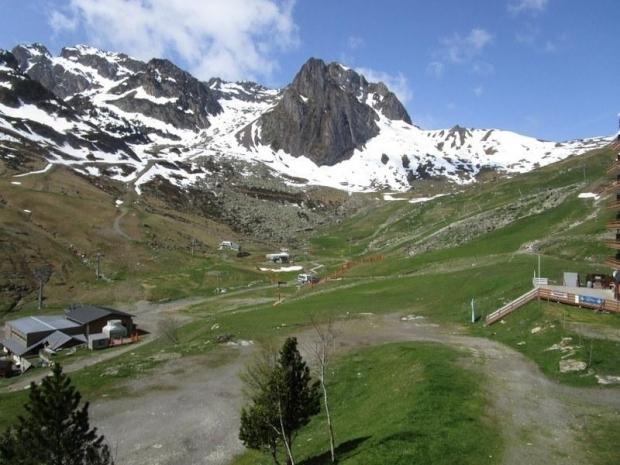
(528, 35)
(534, 6)
(355, 42)
(398, 83)
(61, 22)
(550, 47)
(232, 39)
(458, 49)
(435, 68)
(478, 91)
(483, 68)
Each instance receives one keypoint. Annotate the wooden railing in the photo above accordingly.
(578, 300)
(613, 225)
(511, 307)
(612, 262)
(613, 244)
(613, 187)
(614, 167)
(346, 266)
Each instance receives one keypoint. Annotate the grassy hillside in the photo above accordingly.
(433, 258)
(61, 218)
(401, 404)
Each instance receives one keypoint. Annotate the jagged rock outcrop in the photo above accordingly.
(165, 92)
(320, 115)
(327, 112)
(35, 60)
(59, 124)
(246, 91)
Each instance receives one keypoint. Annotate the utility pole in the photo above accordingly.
(473, 311)
(98, 269)
(42, 274)
(40, 298)
(193, 244)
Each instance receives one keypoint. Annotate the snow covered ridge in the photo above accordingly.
(132, 121)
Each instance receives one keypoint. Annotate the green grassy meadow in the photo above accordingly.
(401, 404)
(411, 394)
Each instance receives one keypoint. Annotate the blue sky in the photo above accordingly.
(546, 68)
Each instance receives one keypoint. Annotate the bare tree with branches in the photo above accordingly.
(323, 348)
(169, 328)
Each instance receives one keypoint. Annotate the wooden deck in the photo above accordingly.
(583, 297)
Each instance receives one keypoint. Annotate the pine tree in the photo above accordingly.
(283, 399)
(55, 429)
(294, 389)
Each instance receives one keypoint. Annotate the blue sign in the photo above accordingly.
(586, 299)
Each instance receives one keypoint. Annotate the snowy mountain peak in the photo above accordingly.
(33, 50)
(107, 114)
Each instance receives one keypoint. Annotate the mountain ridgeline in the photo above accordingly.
(107, 114)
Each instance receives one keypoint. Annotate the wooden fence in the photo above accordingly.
(577, 300)
(346, 266)
(511, 307)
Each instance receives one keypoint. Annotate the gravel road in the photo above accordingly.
(188, 411)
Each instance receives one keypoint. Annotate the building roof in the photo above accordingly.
(88, 313)
(36, 324)
(57, 340)
(17, 347)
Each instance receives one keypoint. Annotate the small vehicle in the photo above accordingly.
(307, 278)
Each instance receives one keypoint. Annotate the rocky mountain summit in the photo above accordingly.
(106, 114)
(327, 112)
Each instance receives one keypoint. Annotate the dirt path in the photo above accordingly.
(117, 224)
(128, 198)
(542, 422)
(187, 411)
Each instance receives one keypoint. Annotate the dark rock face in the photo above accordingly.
(8, 59)
(179, 98)
(68, 80)
(323, 114)
(109, 65)
(246, 91)
(35, 61)
(458, 135)
(387, 103)
(21, 89)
